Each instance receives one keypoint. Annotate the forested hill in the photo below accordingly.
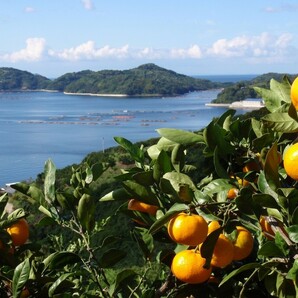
(15, 79)
(244, 89)
(145, 80)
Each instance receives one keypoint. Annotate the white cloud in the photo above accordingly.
(263, 45)
(192, 52)
(88, 51)
(33, 51)
(29, 9)
(88, 4)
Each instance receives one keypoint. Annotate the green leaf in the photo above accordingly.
(145, 178)
(175, 209)
(216, 186)
(265, 200)
(243, 268)
(135, 152)
(116, 195)
(162, 165)
(280, 122)
(3, 203)
(121, 277)
(86, 210)
(20, 277)
(144, 240)
(270, 249)
(60, 282)
(182, 137)
(141, 192)
(219, 168)
(58, 260)
(97, 170)
(293, 272)
(89, 175)
(293, 233)
(111, 257)
(49, 183)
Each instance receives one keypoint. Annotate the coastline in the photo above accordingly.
(97, 94)
(245, 104)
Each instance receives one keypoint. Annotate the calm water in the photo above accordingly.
(36, 126)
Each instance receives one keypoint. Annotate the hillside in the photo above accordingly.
(244, 89)
(14, 79)
(145, 80)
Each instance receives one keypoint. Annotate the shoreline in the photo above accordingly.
(97, 94)
(245, 104)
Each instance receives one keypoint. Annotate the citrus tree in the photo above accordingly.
(232, 230)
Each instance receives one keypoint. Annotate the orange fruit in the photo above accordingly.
(19, 232)
(266, 228)
(188, 229)
(188, 266)
(243, 243)
(291, 161)
(136, 205)
(232, 193)
(294, 93)
(223, 252)
(213, 225)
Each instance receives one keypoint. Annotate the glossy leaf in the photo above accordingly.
(61, 282)
(135, 152)
(86, 210)
(58, 260)
(20, 277)
(280, 122)
(140, 192)
(111, 257)
(162, 165)
(293, 233)
(270, 249)
(180, 136)
(121, 277)
(49, 184)
(116, 195)
(249, 266)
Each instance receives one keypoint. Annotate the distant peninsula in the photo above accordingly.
(145, 80)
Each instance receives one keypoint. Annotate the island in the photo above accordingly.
(145, 80)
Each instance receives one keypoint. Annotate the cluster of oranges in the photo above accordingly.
(192, 230)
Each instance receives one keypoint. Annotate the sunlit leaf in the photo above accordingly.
(20, 277)
(183, 137)
(50, 178)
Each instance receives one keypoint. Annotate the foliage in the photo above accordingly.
(145, 80)
(83, 257)
(245, 89)
(14, 79)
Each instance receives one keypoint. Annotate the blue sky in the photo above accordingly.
(193, 37)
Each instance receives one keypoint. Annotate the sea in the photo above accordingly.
(37, 126)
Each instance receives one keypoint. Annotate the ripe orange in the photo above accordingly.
(294, 93)
(243, 243)
(19, 232)
(232, 193)
(188, 229)
(188, 266)
(266, 228)
(213, 225)
(223, 252)
(291, 161)
(136, 205)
